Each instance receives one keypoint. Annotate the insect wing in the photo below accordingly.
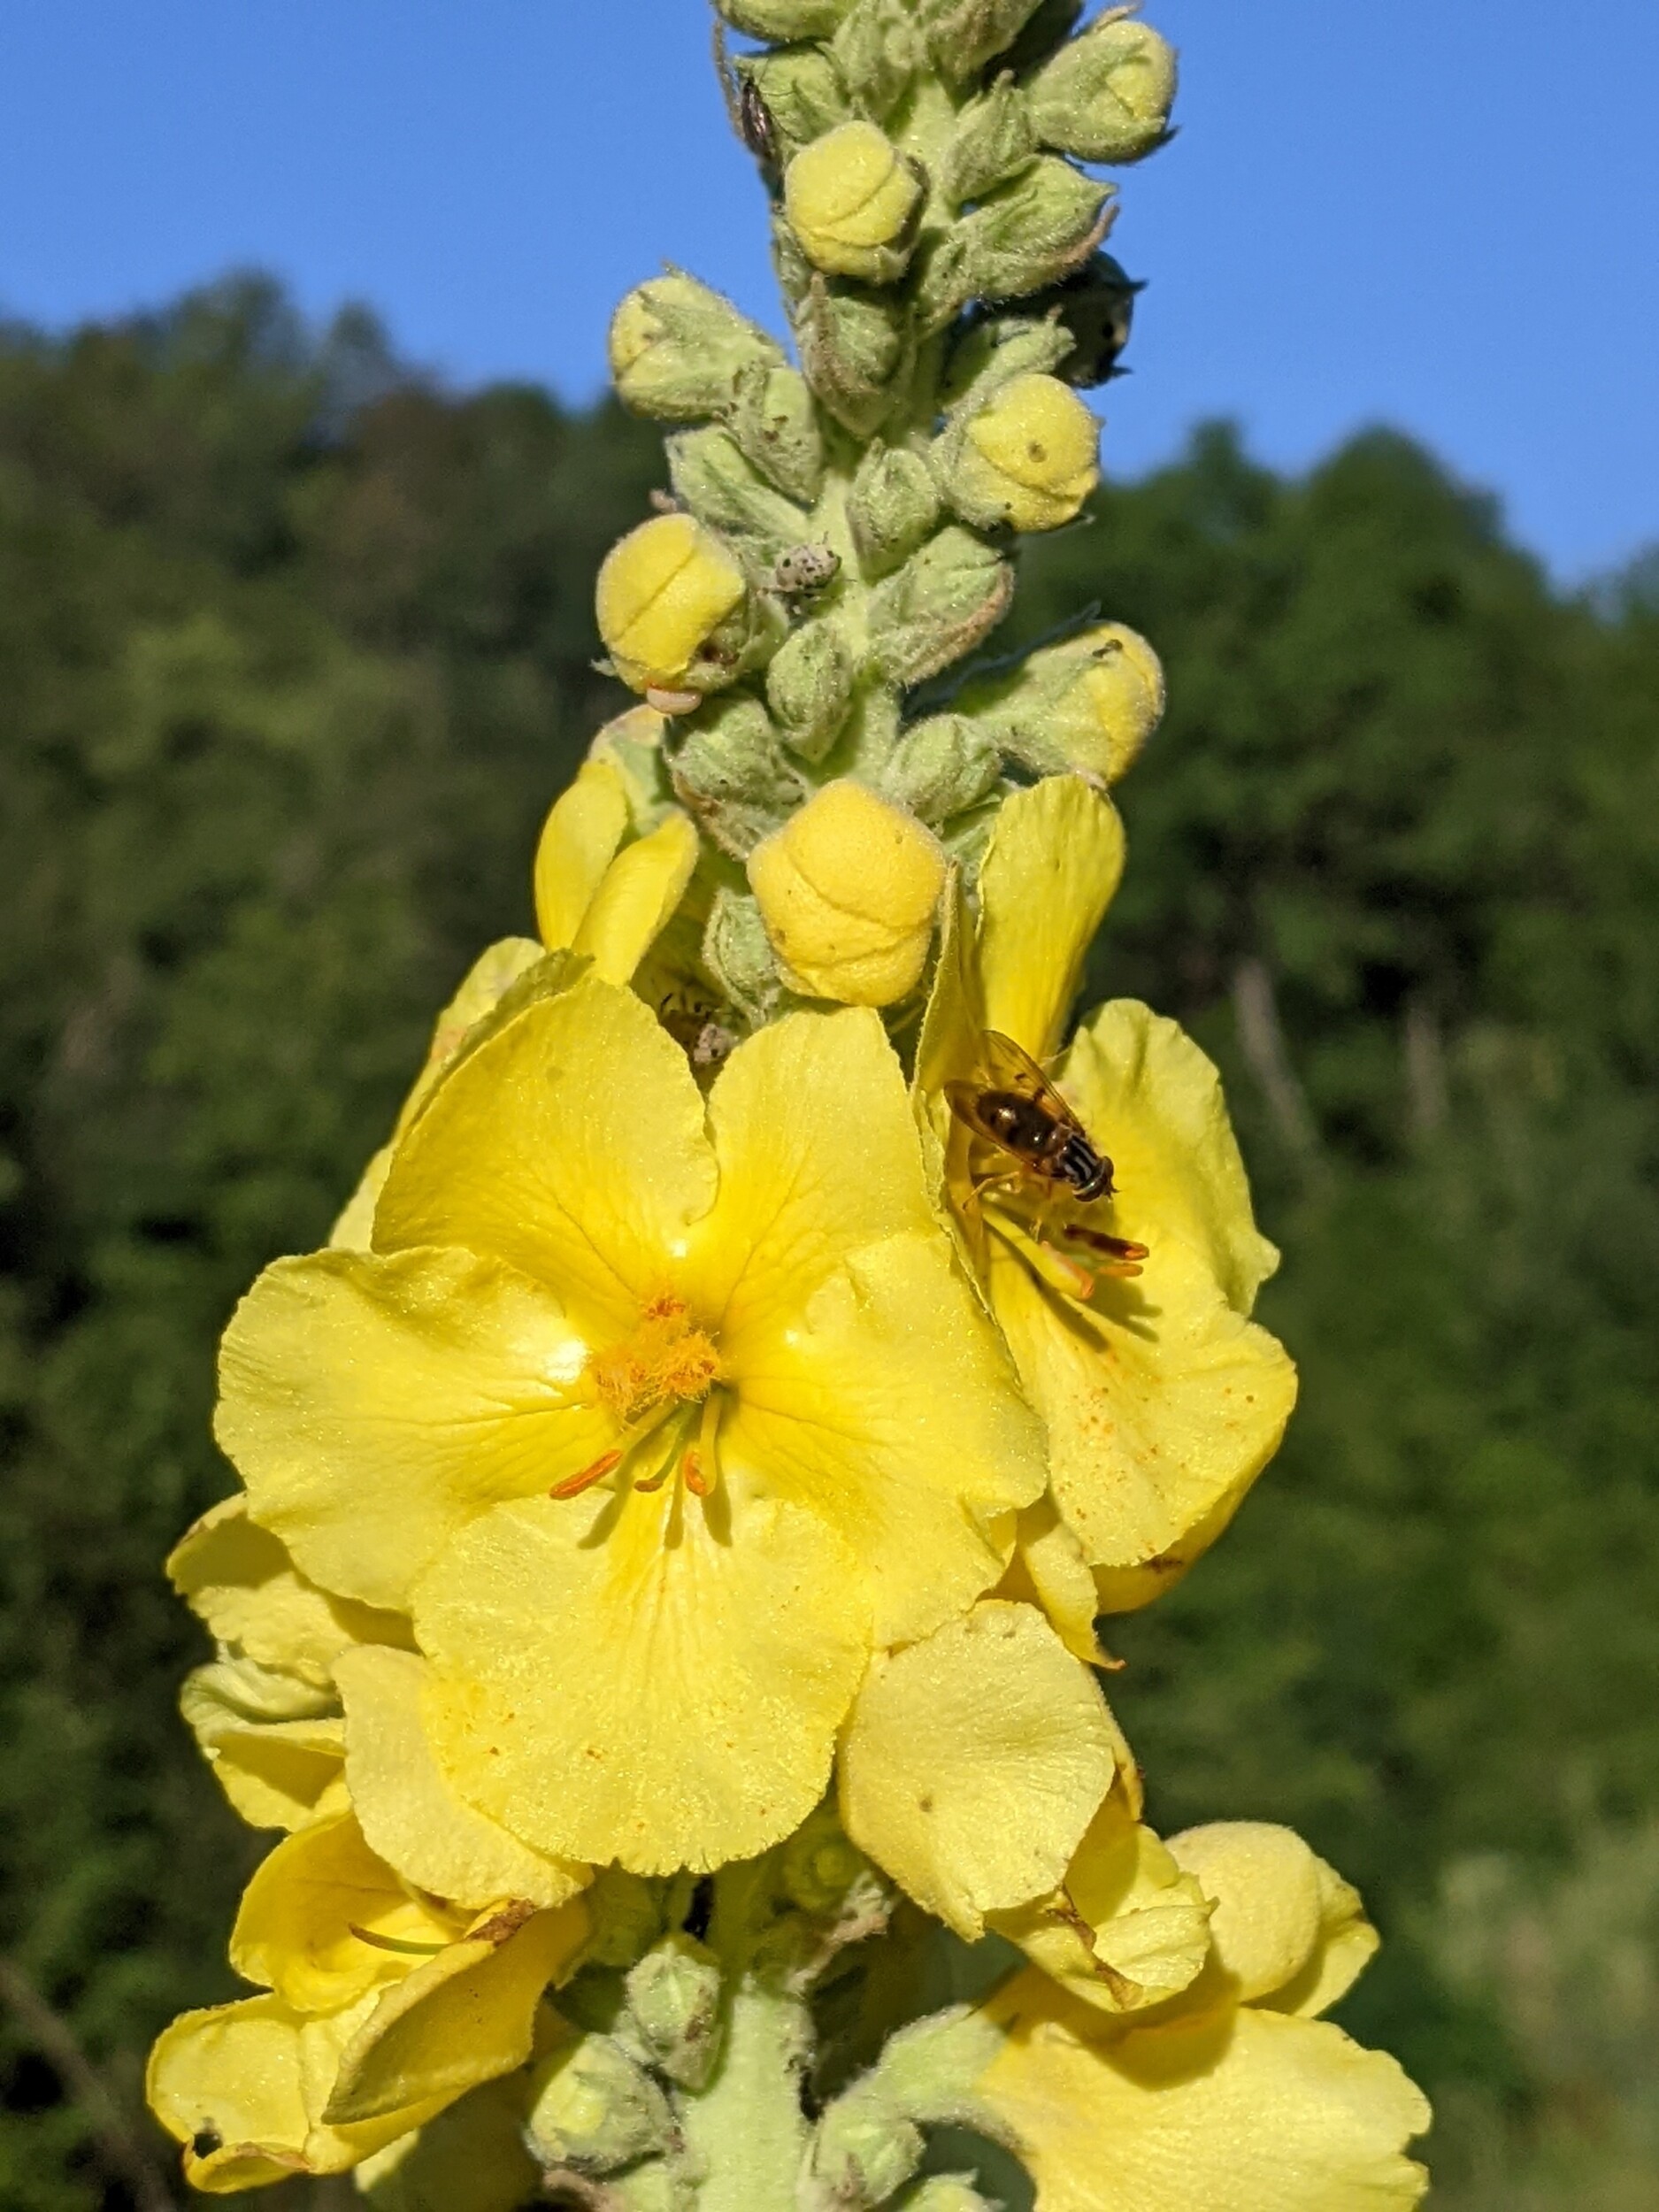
(1006, 1066)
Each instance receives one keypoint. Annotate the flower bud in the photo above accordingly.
(947, 2192)
(1089, 702)
(878, 51)
(783, 20)
(819, 1865)
(730, 773)
(992, 141)
(738, 954)
(624, 1916)
(1026, 460)
(853, 201)
(854, 350)
(593, 2108)
(939, 605)
(1106, 97)
(666, 593)
(893, 506)
(1264, 1883)
(775, 425)
(810, 688)
(1025, 235)
(847, 889)
(674, 1997)
(1096, 308)
(712, 476)
(963, 35)
(863, 2152)
(801, 92)
(677, 348)
(941, 767)
(994, 351)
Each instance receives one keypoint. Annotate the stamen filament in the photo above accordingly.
(1061, 1272)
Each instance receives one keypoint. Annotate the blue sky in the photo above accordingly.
(1443, 217)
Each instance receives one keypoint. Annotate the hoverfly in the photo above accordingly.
(1011, 1107)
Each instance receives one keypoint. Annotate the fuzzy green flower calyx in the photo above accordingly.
(852, 200)
(678, 350)
(1107, 95)
(1089, 702)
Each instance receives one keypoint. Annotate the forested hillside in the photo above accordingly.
(294, 654)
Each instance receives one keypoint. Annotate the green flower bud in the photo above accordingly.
(623, 1917)
(728, 770)
(810, 688)
(1028, 459)
(591, 2107)
(775, 425)
(1089, 702)
(712, 476)
(963, 35)
(878, 51)
(854, 351)
(862, 2152)
(992, 142)
(1107, 95)
(1096, 308)
(1027, 234)
(939, 605)
(783, 19)
(674, 1996)
(946, 2192)
(738, 953)
(854, 200)
(819, 1865)
(893, 506)
(677, 348)
(659, 2185)
(997, 350)
(943, 766)
(801, 92)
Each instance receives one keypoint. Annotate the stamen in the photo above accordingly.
(392, 1943)
(1059, 1270)
(692, 1475)
(574, 1486)
(1125, 1256)
(707, 1455)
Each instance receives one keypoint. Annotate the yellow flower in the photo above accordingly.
(852, 200)
(1028, 459)
(382, 2008)
(596, 895)
(848, 890)
(664, 592)
(658, 1425)
(1163, 1402)
(1213, 2101)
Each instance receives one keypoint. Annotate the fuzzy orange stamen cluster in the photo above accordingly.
(667, 1358)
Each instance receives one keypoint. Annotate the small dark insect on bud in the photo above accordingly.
(1097, 306)
(755, 124)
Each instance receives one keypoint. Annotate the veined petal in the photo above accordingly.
(641, 888)
(973, 1762)
(570, 1144)
(1162, 1402)
(1048, 1570)
(375, 1403)
(819, 1157)
(887, 1407)
(409, 1813)
(578, 841)
(1234, 2111)
(237, 1577)
(652, 1680)
(279, 1767)
(1049, 872)
(307, 1917)
(1153, 1100)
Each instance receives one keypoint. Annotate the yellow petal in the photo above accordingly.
(1126, 1929)
(1151, 1098)
(409, 1813)
(1163, 1404)
(471, 2158)
(578, 843)
(306, 1915)
(353, 1230)
(1232, 2112)
(662, 591)
(464, 2017)
(888, 1410)
(646, 1680)
(1049, 872)
(973, 1762)
(1288, 1931)
(279, 1767)
(641, 888)
(570, 1144)
(239, 1580)
(1048, 1570)
(374, 1404)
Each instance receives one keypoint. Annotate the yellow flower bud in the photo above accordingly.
(663, 593)
(1089, 702)
(1029, 457)
(1264, 1883)
(852, 200)
(847, 889)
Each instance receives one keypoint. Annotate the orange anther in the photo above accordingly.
(693, 1475)
(574, 1486)
(654, 1483)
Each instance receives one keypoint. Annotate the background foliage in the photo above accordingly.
(295, 654)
